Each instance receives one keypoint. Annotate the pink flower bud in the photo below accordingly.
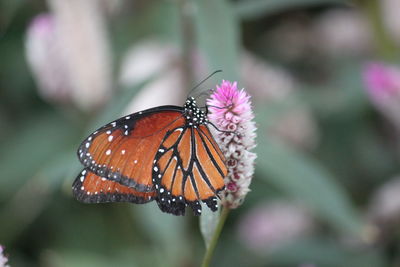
(382, 83)
(231, 112)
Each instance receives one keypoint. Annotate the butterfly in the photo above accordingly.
(166, 154)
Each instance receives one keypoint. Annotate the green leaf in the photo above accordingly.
(33, 197)
(257, 8)
(39, 140)
(218, 36)
(208, 224)
(305, 179)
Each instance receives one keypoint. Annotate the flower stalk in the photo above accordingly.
(214, 240)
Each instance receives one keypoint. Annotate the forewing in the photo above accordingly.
(91, 188)
(124, 150)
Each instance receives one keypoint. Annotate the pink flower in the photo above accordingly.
(230, 111)
(69, 55)
(45, 60)
(383, 86)
(382, 81)
(271, 225)
(3, 259)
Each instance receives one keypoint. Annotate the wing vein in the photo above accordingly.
(210, 154)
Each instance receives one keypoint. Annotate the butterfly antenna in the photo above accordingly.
(205, 79)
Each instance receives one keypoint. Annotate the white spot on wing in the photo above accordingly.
(108, 152)
(110, 138)
(123, 152)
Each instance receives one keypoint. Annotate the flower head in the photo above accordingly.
(68, 53)
(271, 225)
(45, 60)
(3, 259)
(382, 82)
(231, 112)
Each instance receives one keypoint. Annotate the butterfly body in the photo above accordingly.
(165, 154)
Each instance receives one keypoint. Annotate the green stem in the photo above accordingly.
(214, 240)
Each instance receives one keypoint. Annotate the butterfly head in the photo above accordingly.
(193, 114)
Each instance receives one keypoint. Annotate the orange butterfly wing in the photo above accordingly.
(91, 188)
(189, 167)
(124, 150)
(166, 153)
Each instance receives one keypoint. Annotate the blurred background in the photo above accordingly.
(326, 93)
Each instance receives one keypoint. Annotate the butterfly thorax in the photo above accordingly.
(193, 114)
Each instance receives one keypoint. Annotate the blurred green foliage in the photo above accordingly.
(42, 225)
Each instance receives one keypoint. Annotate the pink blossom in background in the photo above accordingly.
(269, 226)
(297, 125)
(3, 259)
(382, 82)
(42, 24)
(231, 112)
(68, 53)
(384, 207)
(46, 61)
(343, 32)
